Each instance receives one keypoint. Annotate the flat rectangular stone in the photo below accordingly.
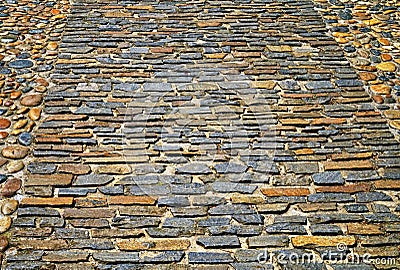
(116, 257)
(89, 213)
(268, 241)
(209, 258)
(322, 241)
(142, 211)
(348, 165)
(302, 167)
(364, 229)
(65, 256)
(282, 191)
(131, 200)
(41, 244)
(49, 180)
(60, 201)
(115, 233)
(153, 244)
(93, 180)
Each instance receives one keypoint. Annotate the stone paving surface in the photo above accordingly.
(369, 34)
(206, 135)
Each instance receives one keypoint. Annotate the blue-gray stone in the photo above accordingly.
(330, 197)
(230, 167)
(372, 196)
(93, 180)
(163, 257)
(3, 178)
(209, 257)
(115, 257)
(356, 208)
(25, 138)
(328, 178)
(20, 64)
(219, 241)
(41, 168)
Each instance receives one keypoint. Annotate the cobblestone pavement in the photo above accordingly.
(205, 135)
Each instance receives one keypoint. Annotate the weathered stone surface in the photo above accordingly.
(15, 152)
(195, 168)
(5, 223)
(131, 200)
(195, 135)
(168, 244)
(88, 213)
(268, 241)
(10, 187)
(328, 178)
(219, 242)
(93, 180)
(364, 229)
(322, 241)
(18, 64)
(388, 67)
(48, 180)
(62, 256)
(114, 169)
(4, 123)
(32, 100)
(209, 258)
(276, 192)
(3, 243)
(61, 201)
(116, 257)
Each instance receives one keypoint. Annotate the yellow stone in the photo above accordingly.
(395, 124)
(140, 7)
(384, 41)
(20, 123)
(264, 84)
(380, 88)
(154, 244)
(15, 166)
(372, 22)
(115, 14)
(34, 113)
(114, 169)
(294, 121)
(52, 46)
(340, 34)
(283, 48)
(215, 55)
(341, 40)
(59, 16)
(322, 241)
(251, 199)
(5, 223)
(389, 67)
(392, 114)
(364, 229)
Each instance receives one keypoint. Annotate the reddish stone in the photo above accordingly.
(60, 201)
(130, 200)
(346, 189)
(378, 99)
(3, 135)
(3, 243)
(4, 123)
(276, 192)
(32, 100)
(11, 187)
